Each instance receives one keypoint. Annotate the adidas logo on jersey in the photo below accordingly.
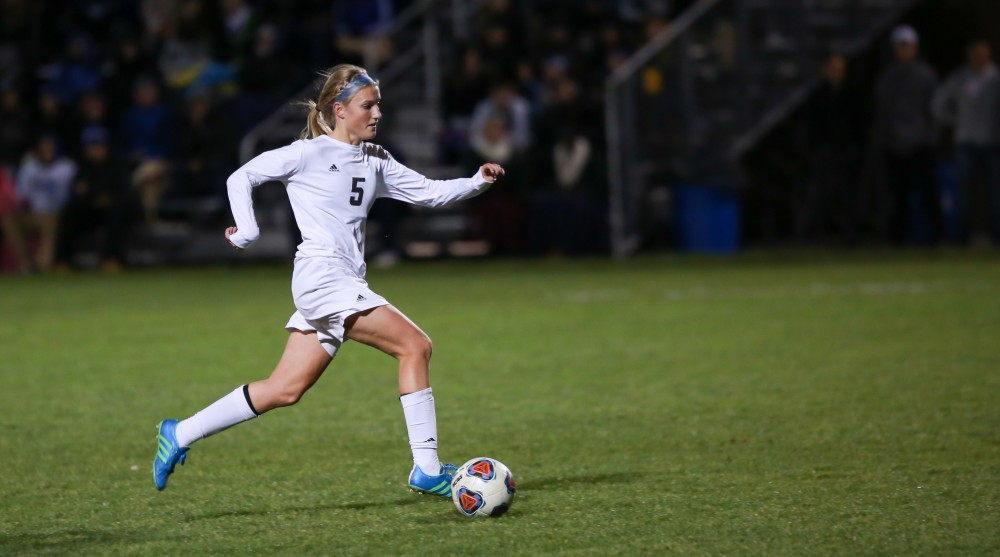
(333, 168)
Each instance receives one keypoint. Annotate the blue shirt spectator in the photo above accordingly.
(145, 127)
(79, 72)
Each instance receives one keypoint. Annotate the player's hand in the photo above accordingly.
(492, 171)
(229, 232)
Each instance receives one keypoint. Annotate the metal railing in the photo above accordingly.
(688, 105)
(621, 134)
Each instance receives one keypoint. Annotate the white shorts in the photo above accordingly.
(325, 295)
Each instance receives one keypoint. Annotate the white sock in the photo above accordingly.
(224, 413)
(421, 426)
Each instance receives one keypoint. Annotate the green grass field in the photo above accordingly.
(760, 405)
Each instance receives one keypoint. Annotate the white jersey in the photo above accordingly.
(331, 186)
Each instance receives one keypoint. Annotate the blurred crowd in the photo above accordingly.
(932, 142)
(114, 111)
(528, 92)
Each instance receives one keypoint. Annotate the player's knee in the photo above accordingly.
(419, 346)
(288, 397)
(286, 394)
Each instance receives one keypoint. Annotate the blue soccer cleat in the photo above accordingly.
(168, 453)
(438, 485)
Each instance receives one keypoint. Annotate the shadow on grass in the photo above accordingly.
(415, 500)
(527, 488)
(81, 541)
(65, 542)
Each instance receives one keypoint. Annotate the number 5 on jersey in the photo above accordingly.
(357, 192)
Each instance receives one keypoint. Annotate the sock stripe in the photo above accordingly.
(246, 394)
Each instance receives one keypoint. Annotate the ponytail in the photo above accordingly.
(315, 122)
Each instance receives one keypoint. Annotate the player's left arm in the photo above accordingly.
(404, 184)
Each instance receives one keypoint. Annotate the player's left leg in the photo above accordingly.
(387, 329)
(301, 364)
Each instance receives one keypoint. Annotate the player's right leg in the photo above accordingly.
(387, 329)
(301, 364)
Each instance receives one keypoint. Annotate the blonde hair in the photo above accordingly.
(320, 120)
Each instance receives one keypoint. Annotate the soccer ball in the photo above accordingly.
(482, 487)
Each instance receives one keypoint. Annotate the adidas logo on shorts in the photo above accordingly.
(360, 298)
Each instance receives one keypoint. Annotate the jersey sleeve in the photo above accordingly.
(278, 164)
(403, 184)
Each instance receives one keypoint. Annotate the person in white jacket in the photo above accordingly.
(43, 185)
(332, 176)
(969, 103)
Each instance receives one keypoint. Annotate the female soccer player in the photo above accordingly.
(332, 176)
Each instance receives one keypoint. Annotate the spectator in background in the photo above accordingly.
(567, 217)
(242, 22)
(53, 119)
(99, 201)
(496, 46)
(10, 223)
(614, 60)
(158, 17)
(565, 214)
(264, 79)
(127, 63)
(493, 141)
(969, 103)
(43, 185)
(78, 72)
(558, 52)
(146, 137)
(529, 84)
(12, 59)
(905, 136)
(833, 131)
(92, 110)
(98, 19)
(555, 72)
(500, 212)
(202, 151)
(500, 14)
(610, 46)
(464, 86)
(16, 127)
(505, 101)
(360, 30)
(310, 32)
(194, 50)
(564, 108)
(587, 23)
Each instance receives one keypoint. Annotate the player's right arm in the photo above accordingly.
(278, 164)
